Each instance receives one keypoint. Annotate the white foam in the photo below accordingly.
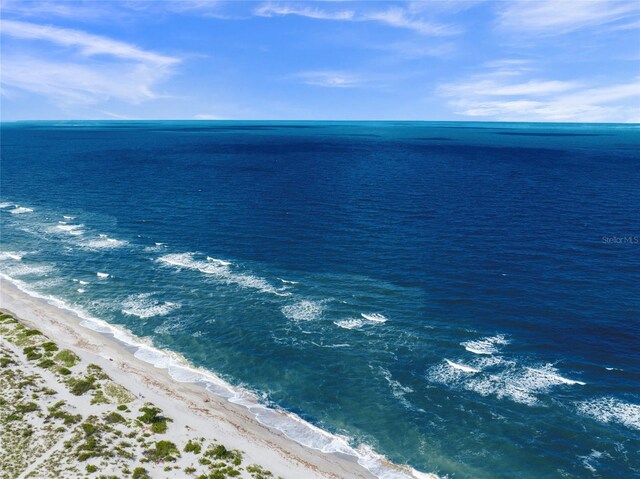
(105, 243)
(218, 261)
(218, 270)
(80, 290)
(23, 269)
(6, 205)
(285, 281)
(554, 377)
(143, 306)
(69, 217)
(398, 390)
(75, 230)
(156, 248)
(610, 409)
(19, 210)
(14, 255)
(102, 275)
(462, 367)
(501, 378)
(589, 460)
(83, 282)
(151, 355)
(485, 345)
(350, 323)
(374, 317)
(304, 310)
(62, 226)
(289, 424)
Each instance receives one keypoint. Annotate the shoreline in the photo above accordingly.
(191, 402)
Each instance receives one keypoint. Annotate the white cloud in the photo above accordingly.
(47, 9)
(495, 96)
(398, 17)
(272, 9)
(330, 79)
(492, 87)
(554, 17)
(108, 69)
(106, 11)
(74, 83)
(88, 44)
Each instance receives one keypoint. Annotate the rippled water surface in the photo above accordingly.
(463, 298)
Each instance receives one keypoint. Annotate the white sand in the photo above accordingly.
(189, 405)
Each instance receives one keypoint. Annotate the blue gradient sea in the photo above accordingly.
(462, 298)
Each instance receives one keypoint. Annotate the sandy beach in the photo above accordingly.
(194, 413)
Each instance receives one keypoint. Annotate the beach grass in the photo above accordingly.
(60, 417)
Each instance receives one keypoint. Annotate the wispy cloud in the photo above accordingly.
(87, 43)
(491, 87)
(105, 11)
(90, 70)
(273, 9)
(413, 50)
(495, 96)
(48, 9)
(553, 17)
(399, 17)
(330, 79)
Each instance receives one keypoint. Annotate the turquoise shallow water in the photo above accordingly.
(461, 297)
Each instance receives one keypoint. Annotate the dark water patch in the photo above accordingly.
(490, 152)
(517, 133)
(272, 148)
(434, 138)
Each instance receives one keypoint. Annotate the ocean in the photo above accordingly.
(463, 298)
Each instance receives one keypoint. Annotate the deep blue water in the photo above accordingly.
(504, 257)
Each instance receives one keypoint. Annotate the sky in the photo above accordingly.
(462, 60)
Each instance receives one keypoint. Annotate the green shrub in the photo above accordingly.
(32, 353)
(222, 453)
(64, 371)
(49, 346)
(159, 427)
(68, 358)
(21, 410)
(91, 468)
(152, 415)
(78, 387)
(5, 361)
(162, 452)
(32, 332)
(46, 363)
(140, 473)
(27, 407)
(122, 407)
(97, 371)
(114, 417)
(99, 398)
(258, 472)
(193, 447)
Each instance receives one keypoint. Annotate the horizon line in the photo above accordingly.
(199, 120)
